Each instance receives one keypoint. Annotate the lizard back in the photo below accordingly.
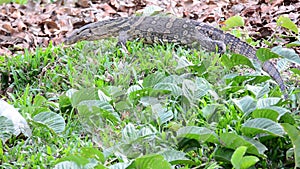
(163, 29)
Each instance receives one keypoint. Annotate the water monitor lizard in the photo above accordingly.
(156, 29)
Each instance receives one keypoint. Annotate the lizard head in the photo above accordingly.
(98, 30)
(84, 33)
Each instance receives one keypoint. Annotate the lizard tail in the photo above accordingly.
(274, 73)
(243, 48)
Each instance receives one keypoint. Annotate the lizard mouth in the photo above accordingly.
(69, 40)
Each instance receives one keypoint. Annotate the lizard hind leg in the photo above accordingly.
(209, 44)
(122, 38)
(212, 45)
(219, 46)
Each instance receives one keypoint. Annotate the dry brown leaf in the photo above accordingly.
(8, 28)
(82, 3)
(107, 8)
(39, 22)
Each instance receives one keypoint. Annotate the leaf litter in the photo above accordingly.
(39, 23)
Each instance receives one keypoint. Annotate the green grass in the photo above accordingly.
(147, 97)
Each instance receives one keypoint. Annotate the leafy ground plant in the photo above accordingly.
(157, 106)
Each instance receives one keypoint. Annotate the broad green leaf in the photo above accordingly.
(237, 33)
(103, 97)
(233, 141)
(235, 60)
(163, 113)
(267, 102)
(183, 63)
(287, 23)
(39, 100)
(135, 93)
(237, 157)
(262, 125)
(121, 106)
(226, 61)
(213, 165)
(202, 83)
(295, 70)
(129, 133)
(70, 92)
(64, 102)
(234, 21)
(248, 161)
(153, 161)
(5, 2)
(90, 115)
(165, 116)
(223, 154)
(134, 141)
(119, 165)
(90, 152)
(147, 101)
(188, 90)
(258, 91)
(294, 135)
(176, 157)
(96, 166)
(198, 133)
(174, 79)
(96, 109)
(273, 113)
(6, 128)
(212, 112)
(74, 160)
(293, 44)
(254, 89)
(201, 68)
(173, 88)
(67, 164)
(1, 148)
(52, 120)
(282, 64)
(203, 87)
(265, 54)
(147, 132)
(243, 79)
(133, 88)
(84, 94)
(289, 54)
(153, 79)
(265, 113)
(114, 91)
(288, 118)
(20, 125)
(247, 104)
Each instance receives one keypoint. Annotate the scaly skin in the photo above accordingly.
(158, 29)
(237, 46)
